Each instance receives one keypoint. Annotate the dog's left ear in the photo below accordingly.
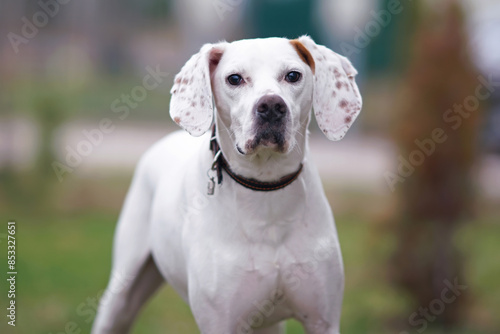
(336, 98)
(191, 103)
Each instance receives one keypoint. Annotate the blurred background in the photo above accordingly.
(415, 185)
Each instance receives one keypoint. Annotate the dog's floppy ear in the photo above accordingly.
(191, 103)
(336, 98)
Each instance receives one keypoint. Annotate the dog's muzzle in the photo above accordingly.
(271, 113)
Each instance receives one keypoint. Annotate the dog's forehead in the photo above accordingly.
(266, 51)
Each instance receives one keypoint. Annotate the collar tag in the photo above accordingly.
(211, 186)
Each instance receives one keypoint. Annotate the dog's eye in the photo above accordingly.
(235, 79)
(293, 76)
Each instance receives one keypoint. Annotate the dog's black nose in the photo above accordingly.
(271, 108)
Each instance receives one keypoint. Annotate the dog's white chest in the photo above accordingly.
(238, 245)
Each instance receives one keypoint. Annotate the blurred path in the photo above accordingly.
(357, 162)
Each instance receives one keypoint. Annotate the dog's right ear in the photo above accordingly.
(191, 103)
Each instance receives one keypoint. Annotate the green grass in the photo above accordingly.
(64, 262)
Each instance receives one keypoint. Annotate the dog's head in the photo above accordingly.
(264, 90)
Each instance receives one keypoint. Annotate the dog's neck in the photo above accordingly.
(266, 165)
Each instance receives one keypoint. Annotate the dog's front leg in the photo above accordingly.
(319, 312)
(316, 292)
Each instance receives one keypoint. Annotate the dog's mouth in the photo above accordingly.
(265, 139)
(271, 116)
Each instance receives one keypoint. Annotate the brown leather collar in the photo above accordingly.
(221, 164)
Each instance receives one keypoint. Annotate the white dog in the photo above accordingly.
(237, 222)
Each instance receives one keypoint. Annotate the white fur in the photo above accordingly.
(240, 257)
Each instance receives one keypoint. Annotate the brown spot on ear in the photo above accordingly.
(178, 80)
(185, 80)
(337, 73)
(303, 53)
(338, 84)
(343, 104)
(348, 119)
(177, 120)
(193, 104)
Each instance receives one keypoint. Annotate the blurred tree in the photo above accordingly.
(50, 115)
(437, 195)
(31, 189)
